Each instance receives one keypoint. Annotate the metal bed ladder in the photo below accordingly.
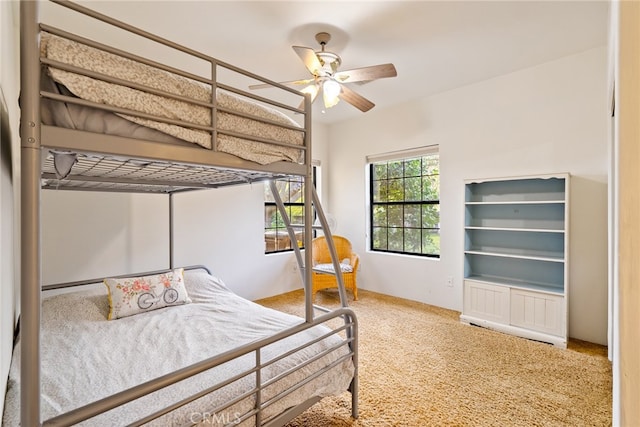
(324, 226)
(306, 277)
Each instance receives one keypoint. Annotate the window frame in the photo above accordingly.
(283, 229)
(403, 156)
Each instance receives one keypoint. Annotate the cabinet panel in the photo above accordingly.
(537, 311)
(486, 301)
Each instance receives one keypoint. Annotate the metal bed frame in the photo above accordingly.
(149, 167)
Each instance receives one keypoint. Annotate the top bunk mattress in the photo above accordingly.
(234, 131)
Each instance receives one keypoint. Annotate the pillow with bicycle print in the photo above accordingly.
(133, 295)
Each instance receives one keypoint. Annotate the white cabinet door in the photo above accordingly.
(486, 301)
(538, 311)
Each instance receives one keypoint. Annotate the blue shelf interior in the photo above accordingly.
(523, 243)
(515, 229)
(526, 273)
(534, 189)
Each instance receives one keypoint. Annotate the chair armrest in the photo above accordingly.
(355, 261)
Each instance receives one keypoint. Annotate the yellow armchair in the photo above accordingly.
(349, 262)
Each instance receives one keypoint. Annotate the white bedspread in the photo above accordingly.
(85, 357)
(88, 58)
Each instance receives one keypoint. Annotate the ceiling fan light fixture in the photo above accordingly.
(311, 90)
(330, 93)
(329, 61)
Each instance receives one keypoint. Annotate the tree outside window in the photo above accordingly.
(405, 206)
(276, 236)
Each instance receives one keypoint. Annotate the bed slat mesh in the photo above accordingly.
(107, 173)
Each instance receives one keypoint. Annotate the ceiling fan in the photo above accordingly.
(323, 66)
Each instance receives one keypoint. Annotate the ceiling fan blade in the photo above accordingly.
(358, 101)
(292, 82)
(309, 58)
(365, 74)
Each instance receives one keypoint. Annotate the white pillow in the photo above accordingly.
(345, 268)
(133, 295)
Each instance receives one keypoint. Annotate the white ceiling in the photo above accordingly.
(435, 45)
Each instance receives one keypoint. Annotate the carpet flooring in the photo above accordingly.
(419, 366)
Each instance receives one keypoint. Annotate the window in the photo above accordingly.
(276, 236)
(405, 203)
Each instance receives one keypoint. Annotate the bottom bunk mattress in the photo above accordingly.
(85, 357)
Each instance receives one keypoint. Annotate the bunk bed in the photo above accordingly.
(206, 135)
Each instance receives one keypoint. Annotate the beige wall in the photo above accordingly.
(549, 118)
(9, 88)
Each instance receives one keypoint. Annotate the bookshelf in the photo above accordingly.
(515, 256)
